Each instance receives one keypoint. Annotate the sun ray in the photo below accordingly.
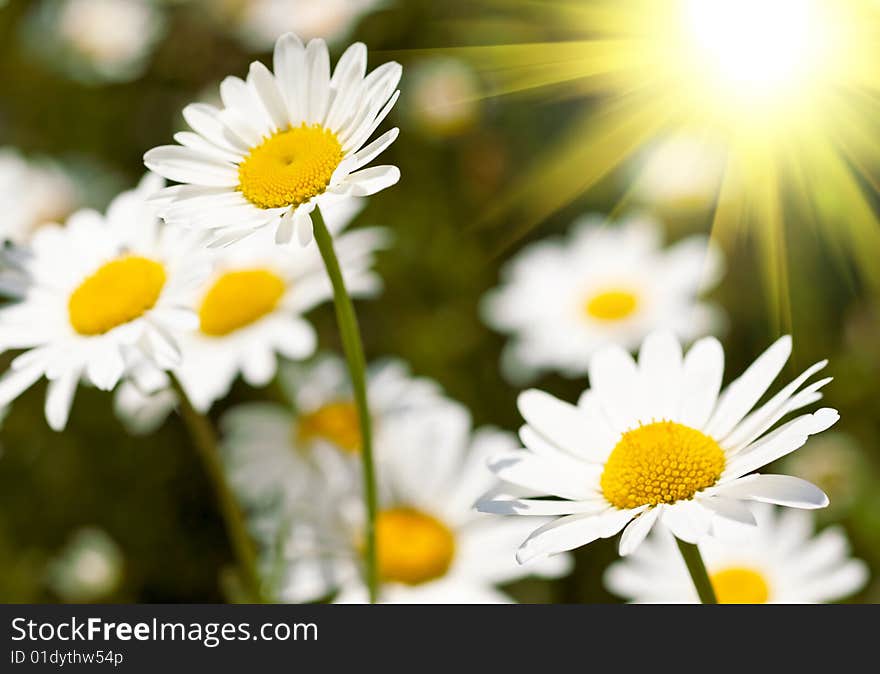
(789, 88)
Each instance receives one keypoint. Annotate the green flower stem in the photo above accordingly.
(694, 561)
(205, 441)
(354, 354)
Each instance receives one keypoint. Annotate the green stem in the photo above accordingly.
(694, 561)
(354, 354)
(205, 441)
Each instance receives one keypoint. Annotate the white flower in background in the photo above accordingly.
(781, 561)
(680, 172)
(260, 22)
(561, 300)
(432, 546)
(32, 193)
(104, 292)
(275, 454)
(88, 569)
(97, 40)
(659, 441)
(251, 310)
(443, 97)
(282, 145)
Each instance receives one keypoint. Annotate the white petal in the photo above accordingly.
(367, 154)
(185, 165)
(614, 380)
(762, 417)
(660, 369)
(703, 370)
(538, 507)
(784, 490)
(17, 381)
(729, 508)
(688, 520)
(780, 442)
(369, 181)
(205, 120)
(532, 472)
(302, 222)
(561, 423)
(59, 399)
(196, 142)
(745, 391)
(573, 531)
(264, 84)
(284, 231)
(318, 68)
(289, 66)
(637, 530)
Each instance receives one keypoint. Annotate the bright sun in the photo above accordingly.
(790, 89)
(756, 47)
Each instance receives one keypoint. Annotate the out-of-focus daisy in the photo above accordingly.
(443, 96)
(251, 310)
(88, 569)
(780, 561)
(260, 22)
(561, 300)
(432, 546)
(275, 452)
(680, 173)
(103, 291)
(657, 441)
(282, 145)
(96, 40)
(32, 193)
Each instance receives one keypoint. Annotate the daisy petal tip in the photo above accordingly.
(825, 418)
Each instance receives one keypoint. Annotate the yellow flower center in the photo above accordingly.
(412, 547)
(661, 462)
(120, 291)
(739, 585)
(239, 298)
(290, 167)
(336, 422)
(613, 304)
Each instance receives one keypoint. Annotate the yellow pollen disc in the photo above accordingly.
(661, 462)
(337, 422)
(412, 547)
(291, 167)
(119, 292)
(611, 305)
(739, 585)
(239, 298)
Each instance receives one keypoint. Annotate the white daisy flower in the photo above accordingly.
(432, 546)
(97, 40)
(781, 562)
(103, 292)
(260, 22)
(561, 300)
(283, 144)
(32, 193)
(656, 441)
(277, 452)
(251, 310)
